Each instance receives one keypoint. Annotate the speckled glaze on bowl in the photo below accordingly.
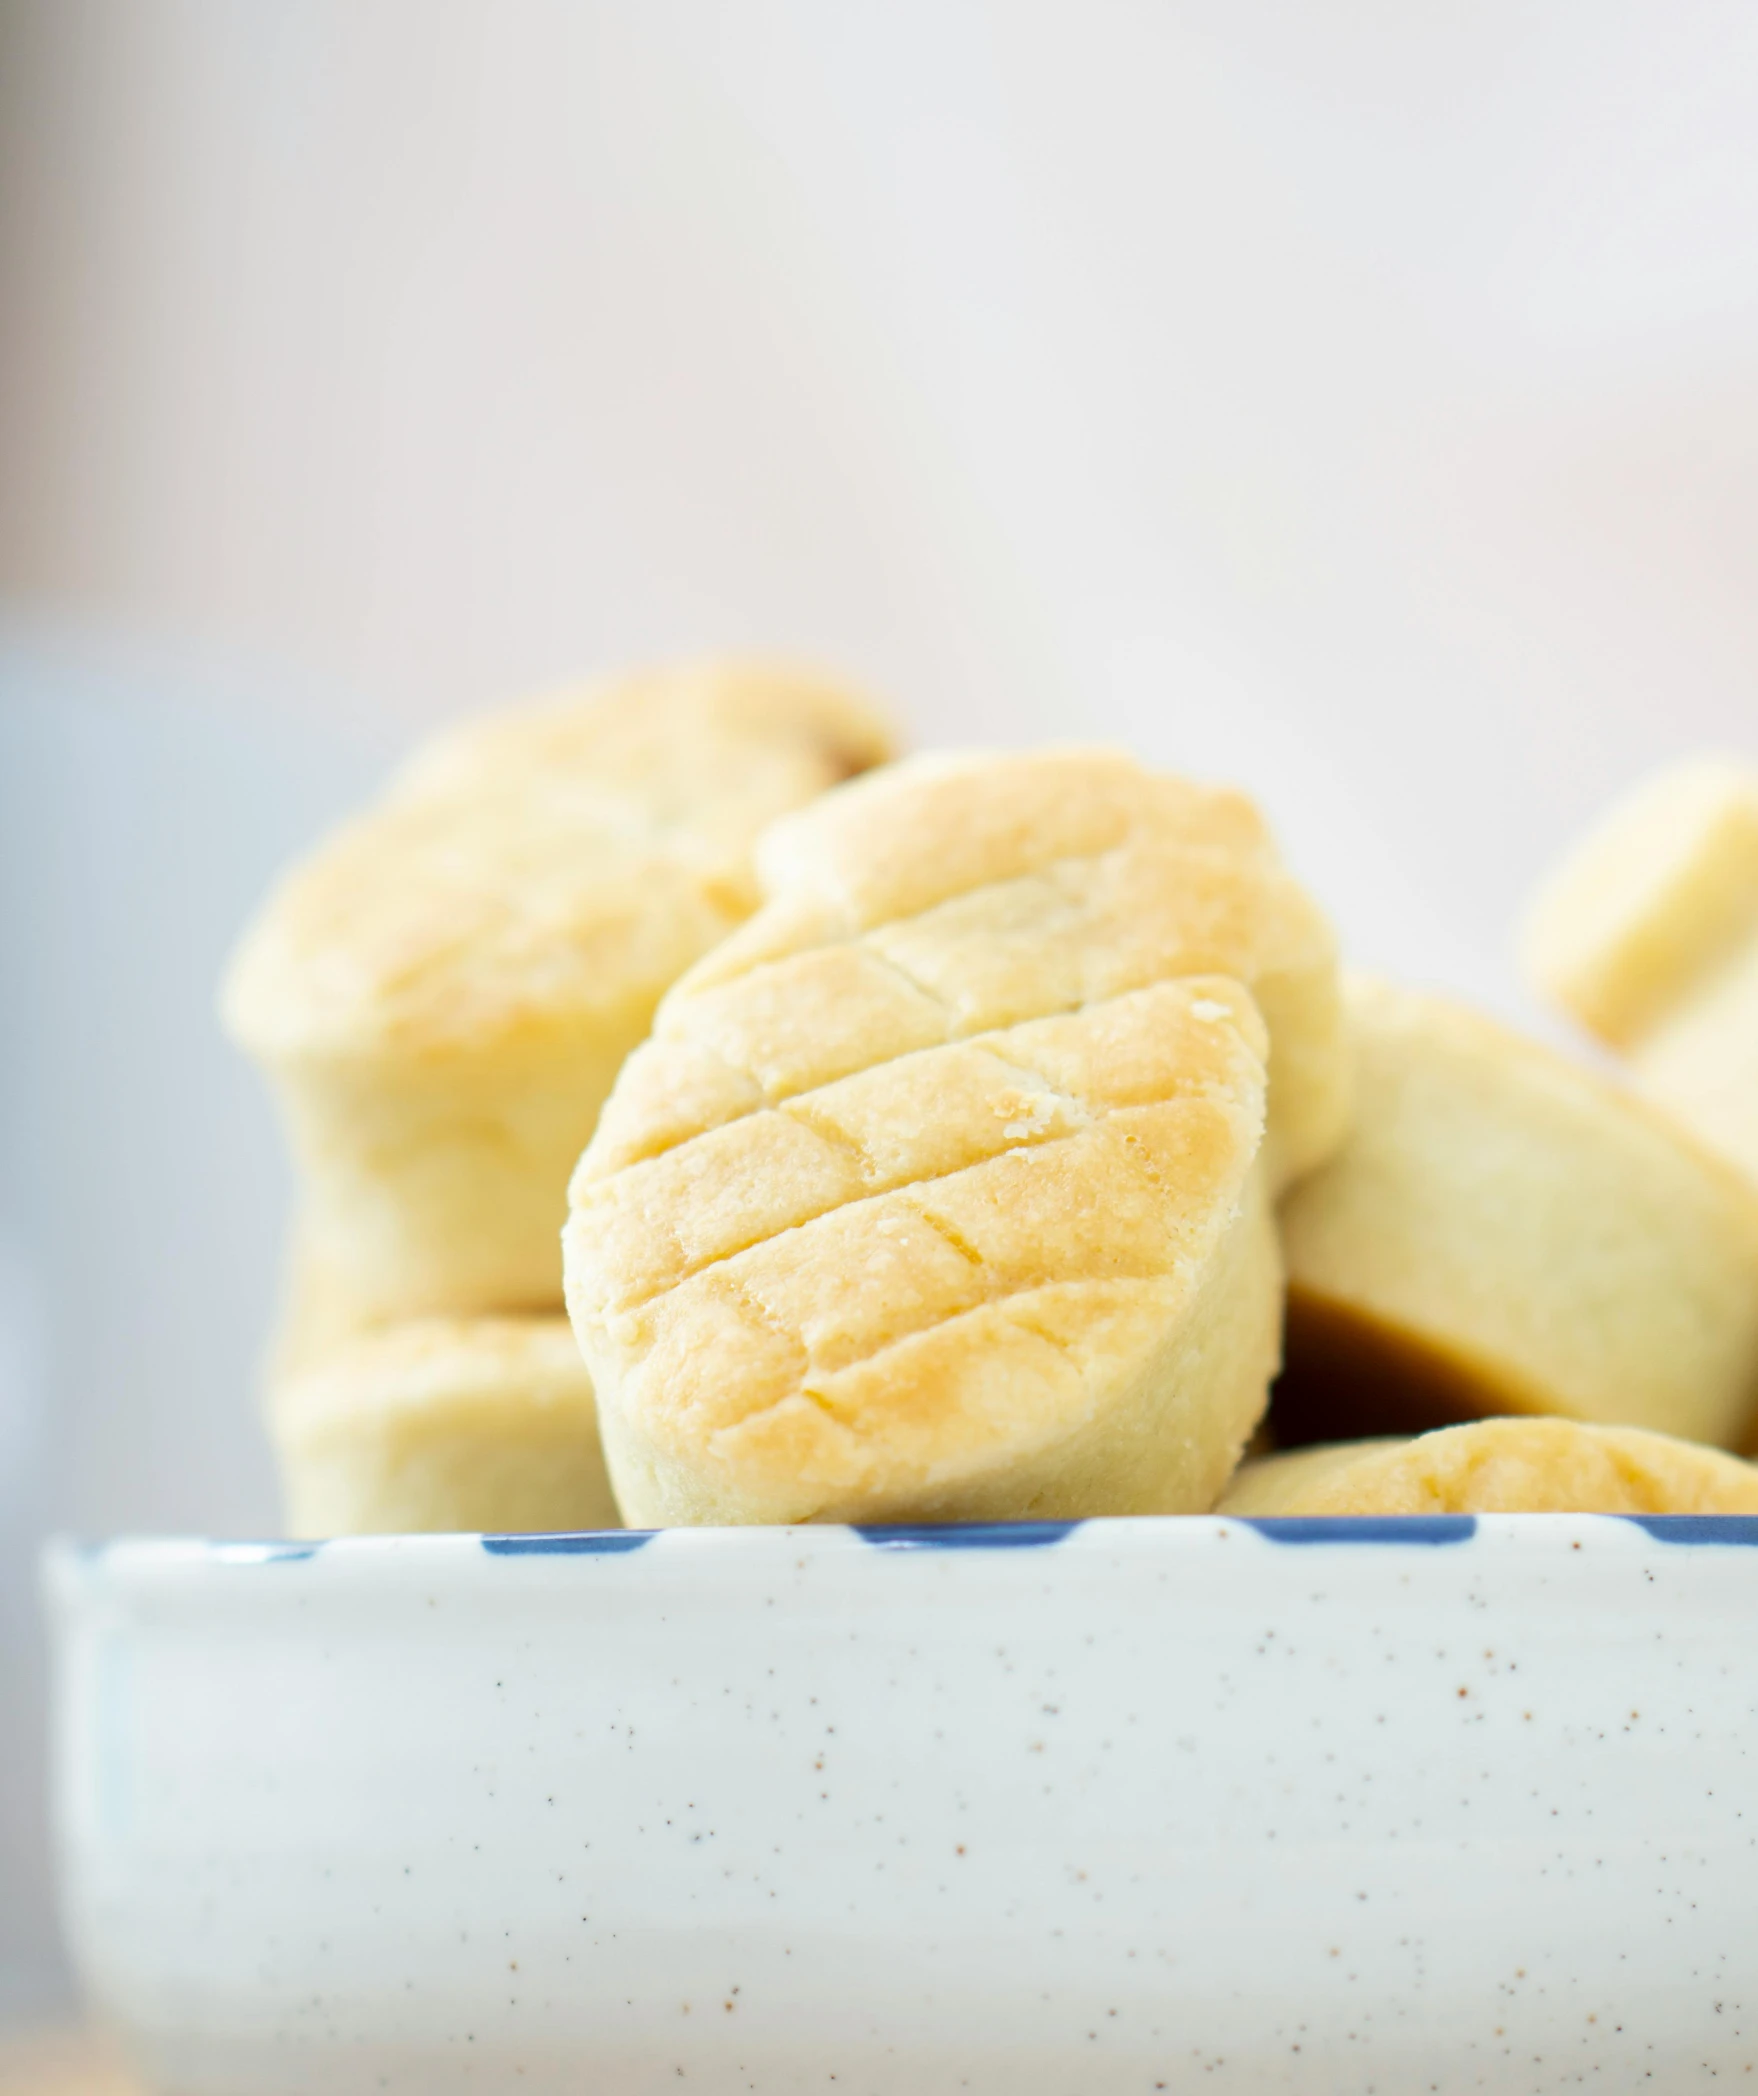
(1340, 1806)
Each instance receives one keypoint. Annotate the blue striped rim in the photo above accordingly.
(1739, 1530)
(971, 1535)
(596, 1542)
(1726, 1531)
(1364, 1528)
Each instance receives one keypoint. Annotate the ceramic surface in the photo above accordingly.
(1365, 1806)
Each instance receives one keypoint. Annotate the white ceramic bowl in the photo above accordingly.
(1134, 1805)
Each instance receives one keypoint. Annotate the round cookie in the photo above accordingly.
(941, 1190)
(1505, 1232)
(443, 1424)
(444, 992)
(1500, 1466)
(1648, 935)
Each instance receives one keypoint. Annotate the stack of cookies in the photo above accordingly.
(442, 996)
(975, 1139)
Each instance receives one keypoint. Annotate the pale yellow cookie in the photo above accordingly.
(1648, 935)
(1500, 1466)
(1506, 1232)
(448, 1424)
(444, 992)
(941, 1190)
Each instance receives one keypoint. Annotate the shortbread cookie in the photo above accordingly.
(445, 991)
(1648, 935)
(941, 1190)
(1501, 1466)
(1505, 1232)
(443, 1424)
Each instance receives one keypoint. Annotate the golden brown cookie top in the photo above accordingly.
(1501, 1466)
(946, 897)
(532, 873)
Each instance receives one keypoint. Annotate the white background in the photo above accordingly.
(1357, 400)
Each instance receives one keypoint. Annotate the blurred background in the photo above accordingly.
(1358, 400)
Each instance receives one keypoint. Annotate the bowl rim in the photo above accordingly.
(67, 1556)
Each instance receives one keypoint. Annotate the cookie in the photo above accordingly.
(1648, 936)
(444, 992)
(1507, 1232)
(942, 1188)
(448, 1424)
(1501, 1466)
